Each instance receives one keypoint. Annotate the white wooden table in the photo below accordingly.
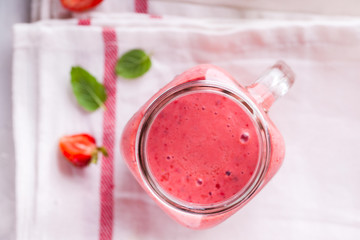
(11, 11)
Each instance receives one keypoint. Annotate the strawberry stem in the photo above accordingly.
(103, 151)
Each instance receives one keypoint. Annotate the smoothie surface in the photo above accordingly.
(202, 148)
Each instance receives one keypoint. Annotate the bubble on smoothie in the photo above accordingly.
(203, 108)
(168, 158)
(244, 137)
(199, 181)
(217, 186)
(228, 173)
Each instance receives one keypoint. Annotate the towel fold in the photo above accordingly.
(278, 9)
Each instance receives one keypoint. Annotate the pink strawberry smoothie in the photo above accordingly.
(202, 148)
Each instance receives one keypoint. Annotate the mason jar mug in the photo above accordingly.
(204, 145)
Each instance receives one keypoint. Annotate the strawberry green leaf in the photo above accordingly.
(94, 157)
(89, 93)
(133, 64)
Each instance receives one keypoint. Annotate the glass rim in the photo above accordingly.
(209, 85)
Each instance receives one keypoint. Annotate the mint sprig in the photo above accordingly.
(89, 93)
(133, 64)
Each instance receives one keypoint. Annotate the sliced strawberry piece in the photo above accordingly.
(80, 149)
(80, 5)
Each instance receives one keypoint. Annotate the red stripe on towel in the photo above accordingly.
(155, 16)
(109, 120)
(85, 21)
(141, 6)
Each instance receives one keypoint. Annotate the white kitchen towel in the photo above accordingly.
(316, 193)
(49, 9)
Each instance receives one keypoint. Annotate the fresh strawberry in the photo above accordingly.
(80, 5)
(80, 149)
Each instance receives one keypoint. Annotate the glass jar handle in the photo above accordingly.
(273, 83)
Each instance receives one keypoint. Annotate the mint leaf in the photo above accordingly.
(89, 93)
(133, 64)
